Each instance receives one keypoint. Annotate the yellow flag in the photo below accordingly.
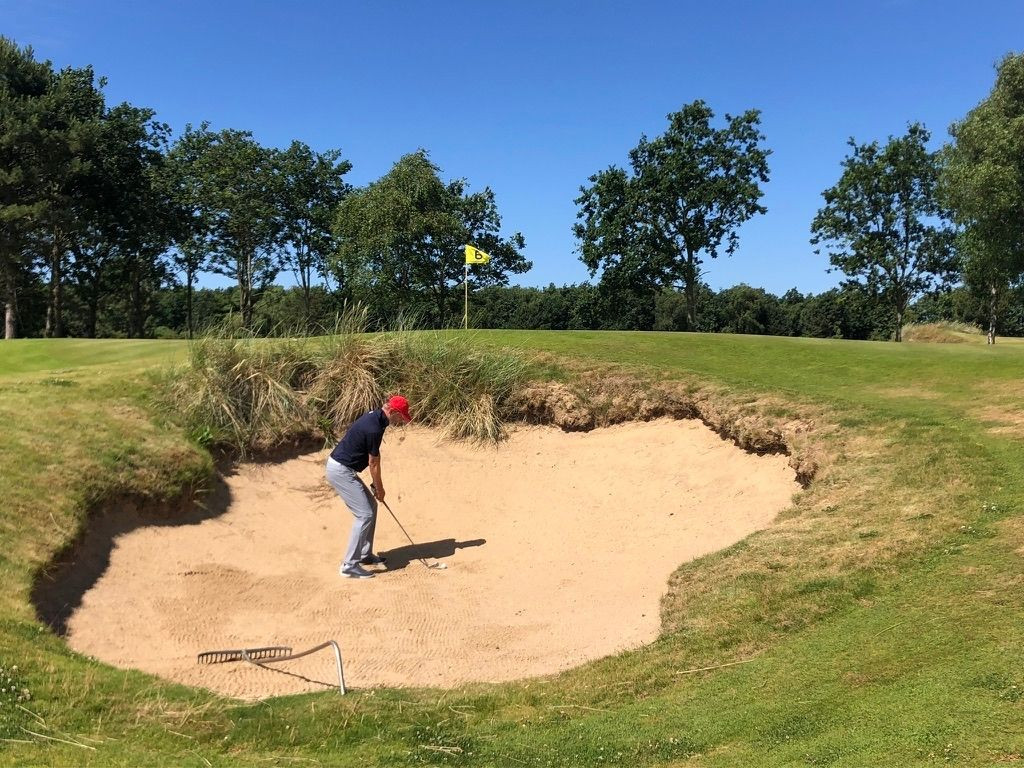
(476, 256)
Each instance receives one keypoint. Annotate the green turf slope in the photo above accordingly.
(878, 623)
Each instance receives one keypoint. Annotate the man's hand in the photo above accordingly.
(376, 484)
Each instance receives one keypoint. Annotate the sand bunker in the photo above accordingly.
(558, 546)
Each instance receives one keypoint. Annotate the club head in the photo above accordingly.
(440, 566)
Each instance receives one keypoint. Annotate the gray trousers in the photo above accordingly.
(360, 501)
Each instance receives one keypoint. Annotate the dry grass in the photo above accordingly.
(1007, 420)
(942, 332)
(252, 395)
(999, 407)
(346, 383)
(244, 392)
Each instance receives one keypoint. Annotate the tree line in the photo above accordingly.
(101, 212)
(846, 312)
(901, 223)
(107, 224)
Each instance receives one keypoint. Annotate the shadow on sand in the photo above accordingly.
(58, 588)
(400, 557)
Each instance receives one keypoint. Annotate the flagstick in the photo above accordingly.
(465, 311)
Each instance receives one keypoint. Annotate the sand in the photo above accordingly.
(558, 549)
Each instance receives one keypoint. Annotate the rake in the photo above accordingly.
(245, 654)
(271, 654)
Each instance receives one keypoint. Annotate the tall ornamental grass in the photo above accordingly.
(250, 395)
(460, 388)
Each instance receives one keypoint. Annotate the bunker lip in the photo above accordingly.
(608, 397)
(540, 578)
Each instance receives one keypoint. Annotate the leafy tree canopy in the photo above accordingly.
(402, 237)
(688, 191)
(882, 224)
(983, 184)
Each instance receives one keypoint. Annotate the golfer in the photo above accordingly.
(359, 449)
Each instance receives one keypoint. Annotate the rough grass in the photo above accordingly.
(944, 332)
(253, 395)
(877, 623)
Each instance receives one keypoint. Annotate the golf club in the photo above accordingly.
(438, 566)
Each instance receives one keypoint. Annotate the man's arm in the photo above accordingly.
(378, 484)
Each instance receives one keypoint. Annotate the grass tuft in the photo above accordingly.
(942, 332)
(250, 395)
(460, 388)
(244, 393)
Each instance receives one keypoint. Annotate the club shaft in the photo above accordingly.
(395, 517)
(399, 522)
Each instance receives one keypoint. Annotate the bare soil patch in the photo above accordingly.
(1008, 420)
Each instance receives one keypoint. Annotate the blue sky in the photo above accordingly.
(530, 98)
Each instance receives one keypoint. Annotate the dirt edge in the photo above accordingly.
(601, 402)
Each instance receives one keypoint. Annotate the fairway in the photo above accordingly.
(872, 621)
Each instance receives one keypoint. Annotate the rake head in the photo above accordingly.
(253, 654)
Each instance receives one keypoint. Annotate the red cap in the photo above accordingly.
(400, 404)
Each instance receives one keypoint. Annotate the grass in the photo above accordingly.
(942, 332)
(948, 332)
(251, 395)
(878, 621)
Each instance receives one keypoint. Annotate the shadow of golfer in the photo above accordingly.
(400, 557)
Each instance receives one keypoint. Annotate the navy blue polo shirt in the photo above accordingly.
(361, 441)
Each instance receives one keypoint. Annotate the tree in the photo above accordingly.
(670, 311)
(849, 312)
(882, 223)
(23, 82)
(752, 310)
(791, 302)
(182, 186)
(989, 270)
(688, 192)
(280, 311)
(569, 307)
(124, 219)
(75, 106)
(402, 237)
(983, 184)
(48, 123)
(823, 316)
(313, 187)
(240, 194)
